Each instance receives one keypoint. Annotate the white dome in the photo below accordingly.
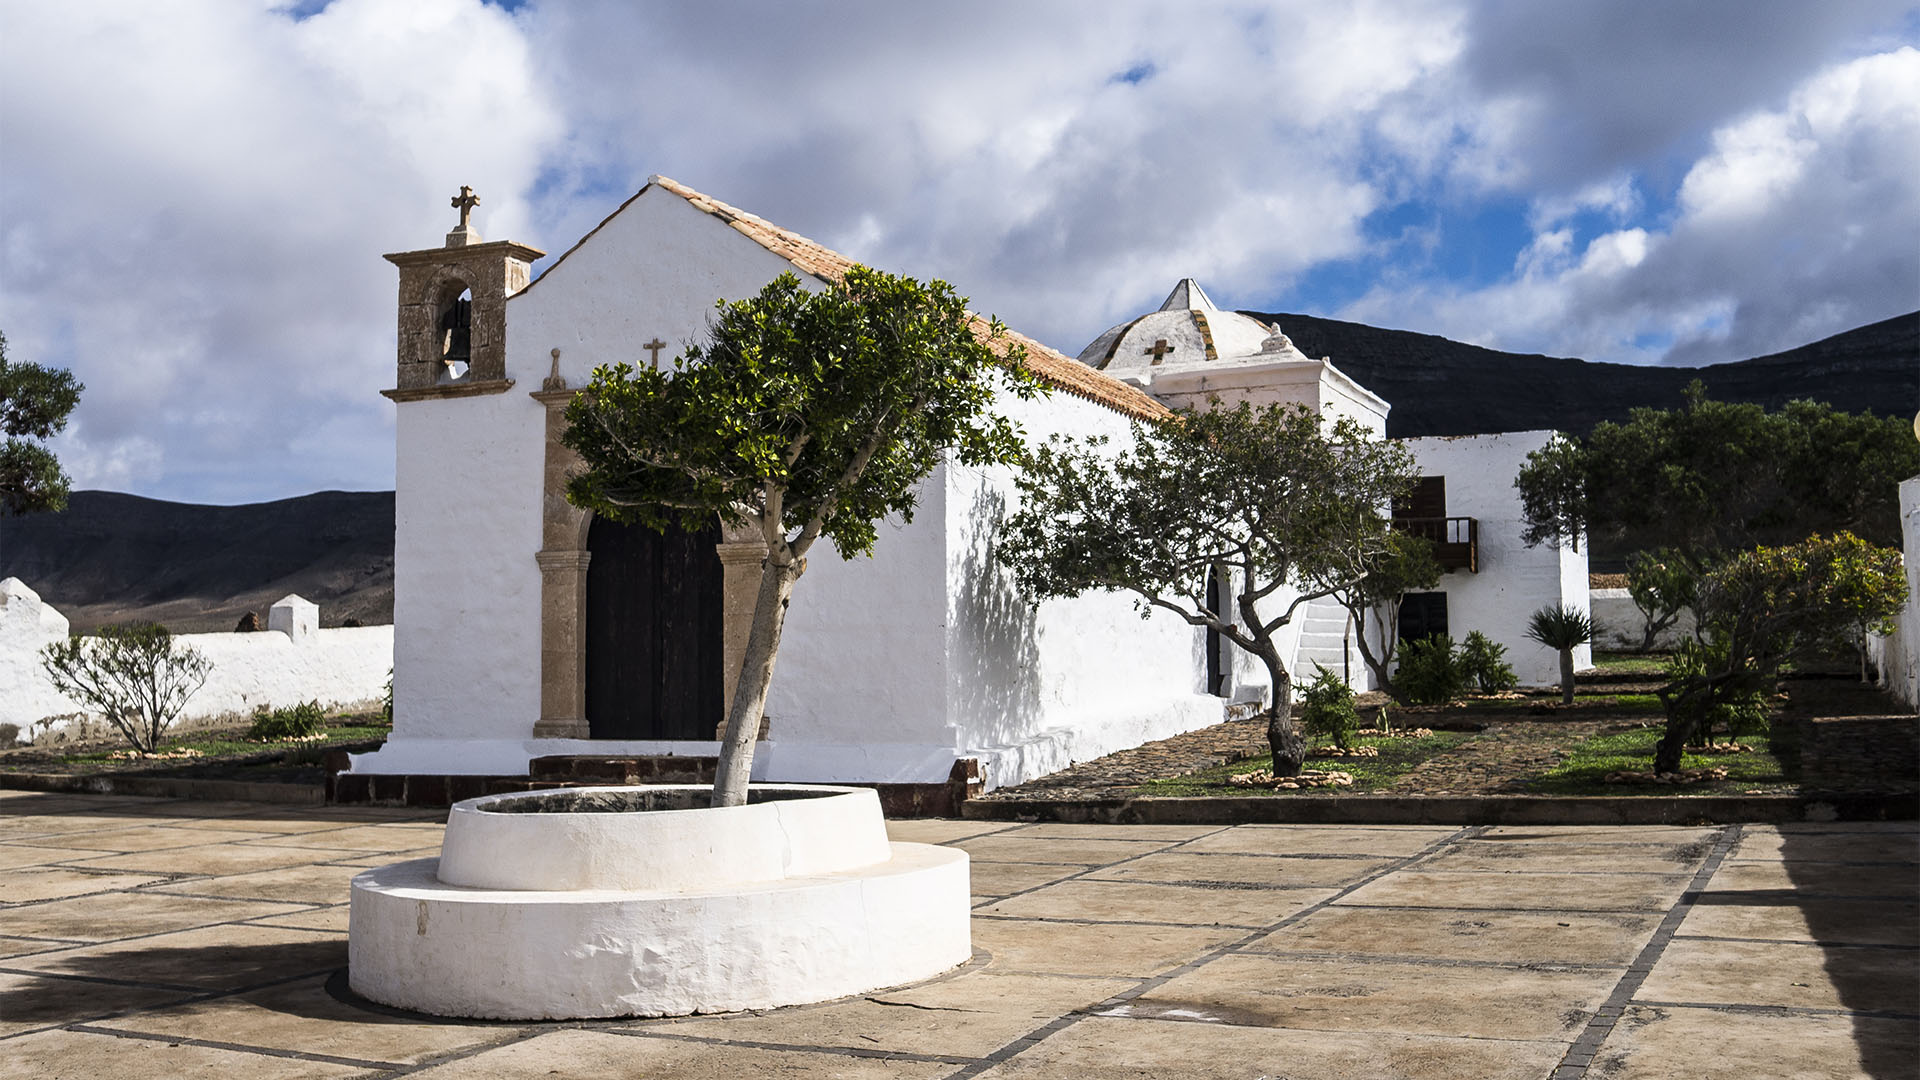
(1187, 332)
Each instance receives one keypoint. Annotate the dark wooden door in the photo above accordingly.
(654, 665)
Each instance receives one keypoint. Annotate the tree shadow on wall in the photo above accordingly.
(995, 648)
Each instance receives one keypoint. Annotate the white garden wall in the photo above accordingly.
(345, 667)
(1618, 624)
(1900, 652)
(1514, 580)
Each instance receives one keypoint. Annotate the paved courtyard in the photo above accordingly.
(150, 938)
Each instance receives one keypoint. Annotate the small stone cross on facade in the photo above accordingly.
(1160, 350)
(654, 347)
(465, 202)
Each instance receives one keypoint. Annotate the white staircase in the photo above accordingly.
(1323, 640)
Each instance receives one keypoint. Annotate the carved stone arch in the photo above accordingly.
(563, 560)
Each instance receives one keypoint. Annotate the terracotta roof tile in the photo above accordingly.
(1054, 368)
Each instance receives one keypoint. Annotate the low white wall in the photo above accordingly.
(1900, 652)
(1618, 624)
(1514, 580)
(345, 667)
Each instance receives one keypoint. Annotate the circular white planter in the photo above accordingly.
(571, 913)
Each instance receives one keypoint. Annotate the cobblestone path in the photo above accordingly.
(1116, 773)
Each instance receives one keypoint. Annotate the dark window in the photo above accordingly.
(1421, 614)
(1427, 500)
(1216, 643)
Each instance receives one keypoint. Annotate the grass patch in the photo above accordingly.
(1592, 759)
(231, 743)
(1397, 756)
(1651, 665)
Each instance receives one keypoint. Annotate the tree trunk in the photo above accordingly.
(1666, 755)
(1566, 676)
(1284, 739)
(756, 675)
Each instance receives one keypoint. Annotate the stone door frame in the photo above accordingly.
(563, 559)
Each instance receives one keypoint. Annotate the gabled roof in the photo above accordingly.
(1053, 368)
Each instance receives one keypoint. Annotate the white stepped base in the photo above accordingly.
(417, 943)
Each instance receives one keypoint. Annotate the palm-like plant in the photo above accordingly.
(1564, 629)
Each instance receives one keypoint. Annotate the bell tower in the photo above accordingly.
(453, 311)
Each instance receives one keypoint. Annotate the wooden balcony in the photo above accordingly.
(1456, 540)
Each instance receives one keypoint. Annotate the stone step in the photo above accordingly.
(624, 769)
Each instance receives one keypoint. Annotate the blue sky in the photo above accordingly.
(196, 196)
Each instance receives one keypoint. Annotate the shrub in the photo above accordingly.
(291, 722)
(1430, 673)
(132, 674)
(1742, 712)
(9, 734)
(1326, 709)
(1483, 665)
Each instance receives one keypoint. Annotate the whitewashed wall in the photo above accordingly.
(467, 505)
(345, 667)
(1514, 580)
(1900, 652)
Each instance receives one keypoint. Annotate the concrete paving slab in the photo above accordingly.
(209, 859)
(969, 1016)
(1120, 1049)
(397, 836)
(1180, 866)
(1131, 901)
(53, 882)
(1000, 847)
(602, 1055)
(1786, 917)
(209, 958)
(1532, 856)
(1498, 936)
(1523, 891)
(1003, 879)
(369, 859)
(20, 946)
(941, 830)
(1605, 834)
(130, 914)
(1385, 841)
(1816, 878)
(1719, 972)
(1769, 842)
(75, 1055)
(13, 856)
(151, 838)
(327, 918)
(302, 1017)
(1675, 1044)
(1070, 831)
(1077, 949)
(1264, 990)
(310, 884)
(28, 1002)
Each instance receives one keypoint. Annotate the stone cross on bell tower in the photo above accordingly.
(464, 233)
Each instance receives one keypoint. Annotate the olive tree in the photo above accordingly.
(1262, 498)
(1405, 565)
(809, 414)
(134, 674)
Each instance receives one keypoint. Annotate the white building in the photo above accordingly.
(525, 628)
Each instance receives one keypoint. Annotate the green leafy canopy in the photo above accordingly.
(35, 402)
(822, 409)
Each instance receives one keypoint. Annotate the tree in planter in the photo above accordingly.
(133, 674)
(1562, 629)
(34, 404)
(1269, 495)
(1405, 565)
(810, 414)
(1764, 607)
(1662, 586)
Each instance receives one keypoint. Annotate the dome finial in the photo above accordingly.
(1188, 296)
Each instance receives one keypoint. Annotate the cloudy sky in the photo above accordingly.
(195, 196)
